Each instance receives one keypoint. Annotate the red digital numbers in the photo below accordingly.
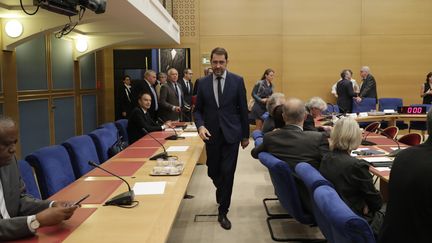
(415, 110)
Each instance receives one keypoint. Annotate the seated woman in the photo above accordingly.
(350, 176)
(273, 101)
(314, 107)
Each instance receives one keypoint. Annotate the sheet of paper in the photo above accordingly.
(177, 148)
(149, 188)
(382, 169)
(189, 134)
(377, 159)
(394, 148)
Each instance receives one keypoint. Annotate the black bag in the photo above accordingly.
(117, 147)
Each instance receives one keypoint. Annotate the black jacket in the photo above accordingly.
(345, 92)
(139, 120)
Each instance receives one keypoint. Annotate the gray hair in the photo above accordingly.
(366, 69)
(346, 135)
(316, 102)
(274, 100)
(293, 111)
(6, 122)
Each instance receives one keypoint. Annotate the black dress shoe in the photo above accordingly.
(224, 221)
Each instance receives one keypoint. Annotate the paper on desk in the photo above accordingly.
(382, 169)
(149, 188)
(189, 134)
(377, 159)
(177, 148)
(395, 148)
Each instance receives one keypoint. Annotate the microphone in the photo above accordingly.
(174, 136)
(365, 142)
(125, 198)
(394, 152)
(164, 154)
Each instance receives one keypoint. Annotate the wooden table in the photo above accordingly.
(152, 219)
(393, 118)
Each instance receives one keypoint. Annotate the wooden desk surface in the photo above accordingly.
(152, 219)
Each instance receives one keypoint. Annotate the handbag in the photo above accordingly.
(117, 147)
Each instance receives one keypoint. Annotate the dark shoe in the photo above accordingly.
(187, 196)
(224, 221)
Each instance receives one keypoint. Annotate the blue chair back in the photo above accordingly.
(103, 140)
(339, 223)
(389, 103)
(257, 134)
(29, 179)
(81, 149)
(286, 187)
(110, 126)
(122, 129)
(265, 115)
(331, 109)
(310, 176)
(366, 105)
(53, 169)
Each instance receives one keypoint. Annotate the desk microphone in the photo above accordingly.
(164, 154)
(394, 152)
(365, 142)
(174, 136)
(125, 198)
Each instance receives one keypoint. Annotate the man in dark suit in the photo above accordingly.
(21, 214)
(221, 118)
(290, 143)
(126, 99)
(409, 209)
(345, 92)
(368, 87)
(147, 86)
(140, 119)
(172, 58)
(171, 98)
(187, 89)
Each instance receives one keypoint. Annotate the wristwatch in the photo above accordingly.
(34, 223)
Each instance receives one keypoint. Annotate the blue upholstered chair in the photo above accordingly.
(53, 169)
(29, 179)
(287, 193)
(81, 149)
(265, 116)
(122, 129)
(257, 134)
(391, 103)
(103, 140)
(310, 176)
(110, 126)
(331, 109)
(366, 105)
(337, 221)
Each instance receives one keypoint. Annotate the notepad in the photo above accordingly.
(382, 169)
(189, 134)
(177, 148)
(149, 188)
(396, 148)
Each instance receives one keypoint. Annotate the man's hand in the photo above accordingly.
(55, 215)
(177, 109)
(204, 133)
(245, 142)
(124, 114)
(358, 99)
(64, 204)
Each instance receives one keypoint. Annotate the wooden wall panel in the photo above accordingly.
(250, 56)
(240, 17)
(313, 64)
(399, 64)
(317, 17)
(404, 17)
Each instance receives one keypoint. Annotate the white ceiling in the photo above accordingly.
(143, 22)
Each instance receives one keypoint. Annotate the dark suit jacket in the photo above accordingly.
(143, 86)
(293, 145)
(137, 121)
(409, 209)
(167, 62)
(19, 205)
(352, 181)
(368, 88)
(345, 92)
(125, 104)
(187, 93)
(168, 99)
(230, 120)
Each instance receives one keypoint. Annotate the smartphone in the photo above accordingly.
(81, 199)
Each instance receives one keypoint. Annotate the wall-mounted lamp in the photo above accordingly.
(13, 28)
(81, 44)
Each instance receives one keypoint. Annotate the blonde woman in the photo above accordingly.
(349, 175)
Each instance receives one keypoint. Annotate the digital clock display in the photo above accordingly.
(412, 110)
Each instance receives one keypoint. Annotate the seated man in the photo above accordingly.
(290, 143)
(21, 214)
(409, 209)
(140, 121)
